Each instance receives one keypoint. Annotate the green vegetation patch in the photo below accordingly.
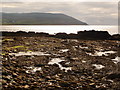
(11, 40)
(16, 47)
(3, 54)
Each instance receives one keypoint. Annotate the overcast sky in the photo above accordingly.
(93, 13)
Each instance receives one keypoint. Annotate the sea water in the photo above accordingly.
(53, 29)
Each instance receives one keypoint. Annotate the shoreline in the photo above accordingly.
(53, 63)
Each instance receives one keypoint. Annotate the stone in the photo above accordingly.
(26, 86)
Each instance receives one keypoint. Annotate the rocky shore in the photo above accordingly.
(83, 35)
(48, 63)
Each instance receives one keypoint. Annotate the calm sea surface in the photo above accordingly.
(52, 29)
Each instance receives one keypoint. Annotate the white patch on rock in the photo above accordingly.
(57, 61)
(74, 40)
(98, 66)
(83, 47)
(67, 63)
(116, 60)
(29, 53)
(64, 50)
(74, 48)
(33, 69)
(83, 61)
(110, 80)
(100, 53)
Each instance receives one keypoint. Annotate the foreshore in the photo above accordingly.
(48, 63)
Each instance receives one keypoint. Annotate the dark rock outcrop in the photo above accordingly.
(93, 35)
(116, 37)
(73, 36)
(85, 35)
(23, 33)
(61, 35)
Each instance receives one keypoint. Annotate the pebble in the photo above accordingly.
(26, 86)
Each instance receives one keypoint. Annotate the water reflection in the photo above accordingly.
(51, 29)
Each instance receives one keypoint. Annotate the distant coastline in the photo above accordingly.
(39, 19)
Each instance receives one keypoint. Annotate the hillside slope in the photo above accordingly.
(39, 19)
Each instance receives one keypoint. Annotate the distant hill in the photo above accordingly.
(39, 19)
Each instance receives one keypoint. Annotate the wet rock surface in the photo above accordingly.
(64, 64)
